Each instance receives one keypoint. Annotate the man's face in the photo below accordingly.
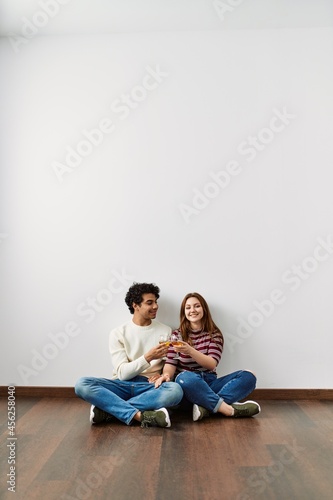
(147, 310)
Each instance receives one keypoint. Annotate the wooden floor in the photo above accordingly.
(284, 453)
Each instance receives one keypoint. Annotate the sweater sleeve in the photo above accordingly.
(124, 368)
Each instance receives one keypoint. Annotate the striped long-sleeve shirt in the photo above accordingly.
(202, 342)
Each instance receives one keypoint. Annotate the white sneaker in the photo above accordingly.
(199, 412)
(156, 418)
(98, 416)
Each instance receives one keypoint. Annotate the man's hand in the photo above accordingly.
(156, 352)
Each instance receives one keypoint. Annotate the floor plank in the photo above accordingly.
(284, 453)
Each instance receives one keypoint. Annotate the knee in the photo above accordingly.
(251, 378)
(81, 386)
(251, 373)
(174, 388)
(174, 394)
(178, 392)
(186, 378)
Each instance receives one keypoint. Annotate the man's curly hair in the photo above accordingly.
(136, 292)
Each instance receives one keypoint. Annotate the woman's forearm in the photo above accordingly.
(203, 359)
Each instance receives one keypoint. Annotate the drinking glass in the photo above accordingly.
(176, 340)
(165, 339)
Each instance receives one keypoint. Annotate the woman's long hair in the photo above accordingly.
(208, 324)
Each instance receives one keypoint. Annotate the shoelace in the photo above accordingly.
(243, 411)
(147, 419)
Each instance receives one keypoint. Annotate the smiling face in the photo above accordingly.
(146, 311)
(194, 312)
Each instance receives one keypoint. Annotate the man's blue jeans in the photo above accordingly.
(124, 398)
(205, 389)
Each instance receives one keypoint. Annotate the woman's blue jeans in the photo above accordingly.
(124, 398)
(205, 389)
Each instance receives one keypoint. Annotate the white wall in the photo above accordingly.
(143, 205)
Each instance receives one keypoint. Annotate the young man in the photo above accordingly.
(137, 359)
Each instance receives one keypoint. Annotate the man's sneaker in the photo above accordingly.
(98, 416)
(199, 412)
(156, 418)
(247, 409)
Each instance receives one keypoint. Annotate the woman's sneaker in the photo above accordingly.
(156, 418)
(247, 409)
(98, 416)
(199, 412)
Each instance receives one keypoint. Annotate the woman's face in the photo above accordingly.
(193, 310)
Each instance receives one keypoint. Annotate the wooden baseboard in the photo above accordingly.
(258, 394)
(40, 392)
(291, 394)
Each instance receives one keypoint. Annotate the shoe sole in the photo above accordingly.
(167, 417)
(196, 413)
(91, 416)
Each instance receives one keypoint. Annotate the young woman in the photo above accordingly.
(195, 368)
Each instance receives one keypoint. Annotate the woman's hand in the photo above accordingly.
(159, 379)
(153, 378)
(184, 348)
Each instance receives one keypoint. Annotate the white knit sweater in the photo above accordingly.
(128, 343)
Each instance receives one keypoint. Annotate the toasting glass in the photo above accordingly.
(176, 340)
(165, 339)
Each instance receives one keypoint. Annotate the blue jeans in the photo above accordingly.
(206, 390)
(124, 398)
